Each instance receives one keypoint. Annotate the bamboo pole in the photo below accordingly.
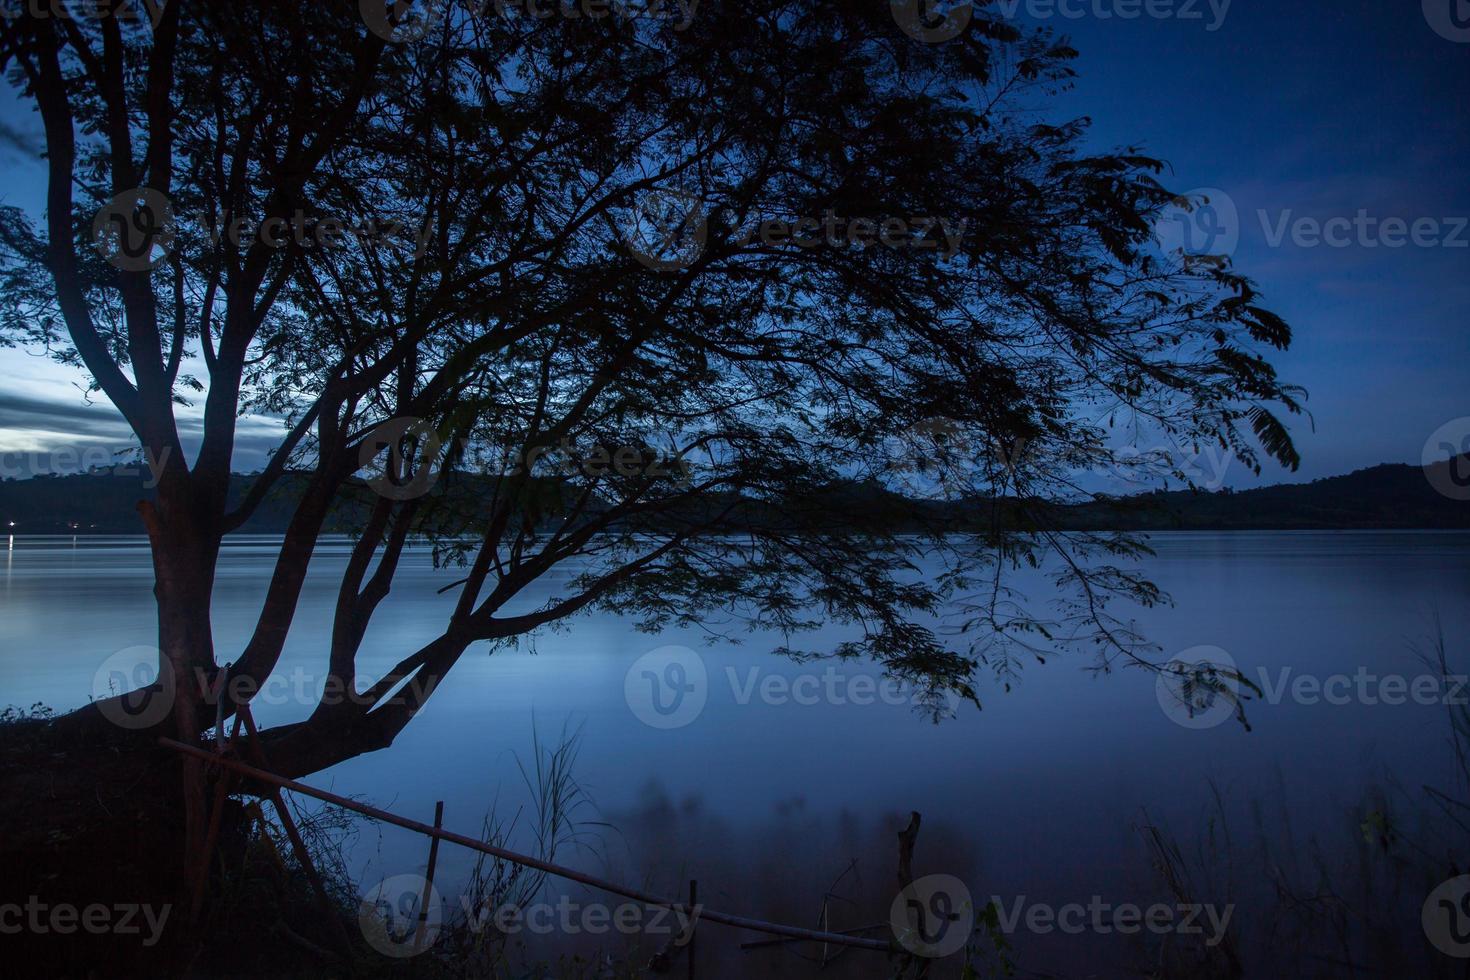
(560, 871)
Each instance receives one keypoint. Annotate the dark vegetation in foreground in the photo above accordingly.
(1391, 495)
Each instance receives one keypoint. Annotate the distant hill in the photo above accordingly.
(1388, 496)
(1391, 495)
(105, 501)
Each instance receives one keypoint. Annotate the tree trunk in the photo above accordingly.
(184, 561)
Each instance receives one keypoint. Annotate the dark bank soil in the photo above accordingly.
(83, 824)
(95, 821)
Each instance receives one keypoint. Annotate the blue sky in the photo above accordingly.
(1316, 110)
(1299, 112)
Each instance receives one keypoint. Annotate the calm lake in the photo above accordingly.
(791, 780)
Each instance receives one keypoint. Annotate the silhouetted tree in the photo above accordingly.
(736, 268)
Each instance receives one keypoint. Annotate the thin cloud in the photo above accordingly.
(14, 142)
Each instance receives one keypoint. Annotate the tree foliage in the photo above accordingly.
(759, 392)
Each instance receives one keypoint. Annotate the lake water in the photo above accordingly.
(788, 775)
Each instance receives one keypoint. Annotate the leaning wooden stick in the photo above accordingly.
(339, 934)
(423, 926)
